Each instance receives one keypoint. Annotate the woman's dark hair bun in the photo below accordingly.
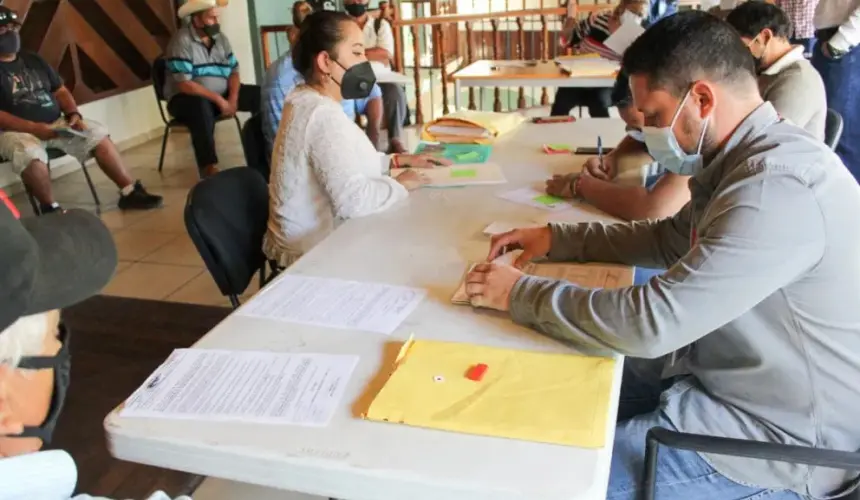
(320, 32)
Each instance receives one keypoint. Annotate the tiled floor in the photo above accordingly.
(157, 259)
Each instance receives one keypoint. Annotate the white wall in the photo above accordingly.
(132, 118)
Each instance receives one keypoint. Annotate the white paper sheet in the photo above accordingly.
(623, 37)
(246, 386)
(461, 175)
(501, 227)
(537, 199)
(335, 303)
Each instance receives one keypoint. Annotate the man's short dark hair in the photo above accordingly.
(689, 46)
(751, 17)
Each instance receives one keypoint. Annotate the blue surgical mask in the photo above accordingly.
(664, 148)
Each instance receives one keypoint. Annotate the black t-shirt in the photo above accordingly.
(27, 87)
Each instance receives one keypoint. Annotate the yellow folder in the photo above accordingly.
(471, 127)
(544, 397)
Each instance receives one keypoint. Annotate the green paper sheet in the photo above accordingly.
(461, 173)
(547, 199)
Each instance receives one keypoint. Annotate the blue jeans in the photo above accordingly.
(641, 275)
(681, 475)
(807, 43)
(842, 84)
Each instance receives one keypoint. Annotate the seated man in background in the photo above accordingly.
(38, 112)
(760, 262)
(202, 81)
(785, 78)
(46, 264)
(379, 47)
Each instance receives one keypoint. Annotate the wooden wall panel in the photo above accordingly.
(100, 47)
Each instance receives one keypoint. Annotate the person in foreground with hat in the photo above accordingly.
(202, 82)
(759, 299)
(46, 264)
(37, 112)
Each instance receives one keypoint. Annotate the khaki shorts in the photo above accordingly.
(21, 149)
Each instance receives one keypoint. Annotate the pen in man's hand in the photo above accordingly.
(600, 153)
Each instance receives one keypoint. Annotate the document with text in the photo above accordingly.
(333, 303)
(245, 386)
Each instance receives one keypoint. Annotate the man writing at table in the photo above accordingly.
(755, 301)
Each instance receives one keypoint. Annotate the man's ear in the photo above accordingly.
(704, 96)
(765, 36)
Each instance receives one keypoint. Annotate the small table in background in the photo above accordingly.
(487, 73)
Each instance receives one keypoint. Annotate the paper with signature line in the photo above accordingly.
(246, 386)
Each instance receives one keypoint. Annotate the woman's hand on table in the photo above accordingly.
(421, 161)
(490, 285)
(412, 179)
(533, 241)
(592, 168)
(561, 185)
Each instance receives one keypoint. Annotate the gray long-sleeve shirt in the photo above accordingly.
(763, 285)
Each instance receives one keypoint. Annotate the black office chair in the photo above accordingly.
(844, 460)
(226, 217)
(255, 146)
(159, 75)
(54, 154)
(832, 128)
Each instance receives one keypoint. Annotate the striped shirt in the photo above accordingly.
(589, 34)
(188, 58)
(801, 14)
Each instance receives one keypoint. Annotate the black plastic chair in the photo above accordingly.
(55, 154)
(255, 147)
(226, 217)
(159, 76)
(832, 128)
(844, 460)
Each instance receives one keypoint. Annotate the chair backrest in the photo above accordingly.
(226, 217)
(832, 128)
(255, 146)
(158, 75)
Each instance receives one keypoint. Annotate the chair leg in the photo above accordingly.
(91, 185)
(234, 301)
(262, 275)
(163, 147)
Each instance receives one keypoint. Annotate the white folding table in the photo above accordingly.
(424, 242)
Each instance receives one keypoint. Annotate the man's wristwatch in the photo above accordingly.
(834, 52)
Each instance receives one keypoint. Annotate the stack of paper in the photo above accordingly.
(475, 174)
(590, 67)
(544, 397)
(467, 126)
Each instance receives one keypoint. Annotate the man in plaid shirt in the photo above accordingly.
(801, 12)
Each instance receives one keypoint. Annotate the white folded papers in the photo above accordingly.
(464, 174)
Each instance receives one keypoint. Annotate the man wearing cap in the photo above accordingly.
(202, 81)
(38, 112)
(46, 264)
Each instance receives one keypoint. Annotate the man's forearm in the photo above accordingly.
(233, 85)
(66, 101)
(10, 122)
(625, 202)
(193, 88)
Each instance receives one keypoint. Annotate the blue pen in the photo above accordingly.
(600, 152)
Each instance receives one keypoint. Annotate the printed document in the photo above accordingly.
(333, 303)
(246, 386)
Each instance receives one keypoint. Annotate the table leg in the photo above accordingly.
(456, 94)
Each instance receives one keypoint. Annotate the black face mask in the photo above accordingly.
(212, 30)
(10, 42)
(62, 365)
(356, 9)
(358, 80)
